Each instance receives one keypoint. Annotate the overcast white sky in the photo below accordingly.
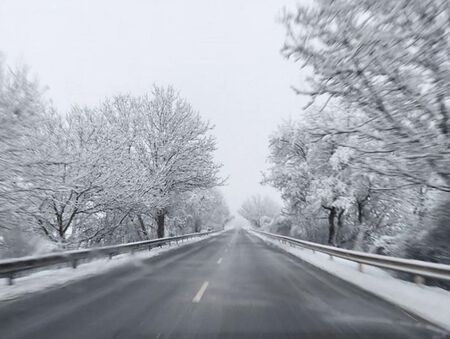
(223, 56)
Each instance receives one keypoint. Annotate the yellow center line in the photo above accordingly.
(200, 292)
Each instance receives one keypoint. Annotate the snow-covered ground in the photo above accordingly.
(430, 303)
(56, 277)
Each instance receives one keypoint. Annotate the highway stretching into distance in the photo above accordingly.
(232, 285)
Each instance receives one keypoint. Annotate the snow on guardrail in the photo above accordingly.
(420, 269)
(9, 268)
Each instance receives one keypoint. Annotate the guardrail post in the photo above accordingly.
(11, 279)
(74, 263)
(419, 280)
(110, 255)
(331, 257)
(360, 267)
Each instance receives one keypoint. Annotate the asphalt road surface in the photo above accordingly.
(229, 286)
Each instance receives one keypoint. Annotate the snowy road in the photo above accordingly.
(229, 286)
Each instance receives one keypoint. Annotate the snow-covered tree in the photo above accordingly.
(172, 146)
(318, 181)
(309, 175)
(79, 172)
(22, 107)
(372, 147)
(121, 162)
(386, 65)
(102, 175)
(198, 211)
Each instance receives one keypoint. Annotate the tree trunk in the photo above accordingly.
(421, 209)
(339, 225)
(160, 219)
(360, 206)
(143, 229)
(332, 226)
(59, 222)
(362, 228)
(339, 220)
(197, 225)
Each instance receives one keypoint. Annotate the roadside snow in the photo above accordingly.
(57, 277)
(430, 303)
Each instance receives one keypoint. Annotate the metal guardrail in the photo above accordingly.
(10, 268)
(420, 269)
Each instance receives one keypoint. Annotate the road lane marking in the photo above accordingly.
(219, 261)
(200, 292)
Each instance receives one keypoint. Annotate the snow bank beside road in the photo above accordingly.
(56, 277)
(430, 303)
